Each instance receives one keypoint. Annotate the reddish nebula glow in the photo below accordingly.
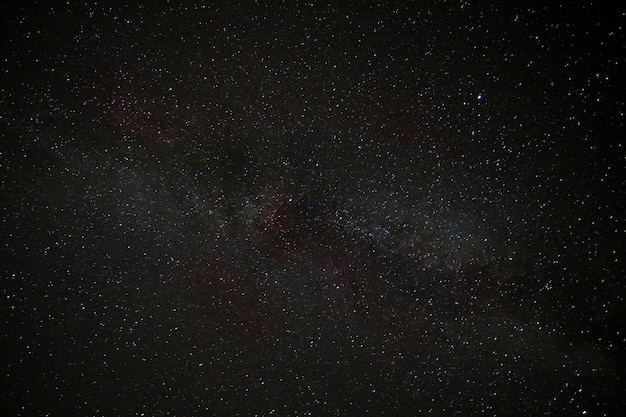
(371, 296)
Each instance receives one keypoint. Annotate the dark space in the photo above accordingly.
(289, 208)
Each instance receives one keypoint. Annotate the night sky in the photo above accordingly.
(312, 209)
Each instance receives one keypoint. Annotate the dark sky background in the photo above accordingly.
(312, 209)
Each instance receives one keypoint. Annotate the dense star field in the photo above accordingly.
(312, 209)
